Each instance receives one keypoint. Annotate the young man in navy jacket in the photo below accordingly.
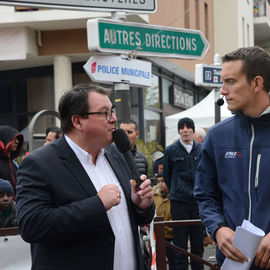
(232, 180)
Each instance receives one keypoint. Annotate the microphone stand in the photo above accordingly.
(217, 108)
(217, 61)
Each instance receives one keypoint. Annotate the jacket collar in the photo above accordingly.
(258, 122)
(115, 163)
(74, 166)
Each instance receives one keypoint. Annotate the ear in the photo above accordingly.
(258, 84)
(77, 122)
(137, 134)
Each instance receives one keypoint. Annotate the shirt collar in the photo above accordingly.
(266, 111)
(81, 154)
(186, 144)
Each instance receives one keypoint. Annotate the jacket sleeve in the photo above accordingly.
(206, 190)
(42, 220)
(144, 217)
(167, 168)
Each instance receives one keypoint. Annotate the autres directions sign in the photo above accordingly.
(142, 6)
(149, 40)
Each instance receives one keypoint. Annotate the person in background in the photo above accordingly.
(199, 135)
(163, 208)
(179, 167)
(76, 203)
(7, 205)
(52, 134)
(11, 144)
(157, 162)
(132, 131)
(232, 180)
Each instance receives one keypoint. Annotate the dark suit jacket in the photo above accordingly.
(60, 214)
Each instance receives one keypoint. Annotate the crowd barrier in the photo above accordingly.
(14, 251)
(161, 243)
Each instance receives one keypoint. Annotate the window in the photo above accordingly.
(152, 126)
(243, 32)
(165, 90)
(206, 21)
(248, 35)
(197, 15)
(151, 94)
(186, 8)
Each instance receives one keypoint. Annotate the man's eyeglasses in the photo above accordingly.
(108, 114)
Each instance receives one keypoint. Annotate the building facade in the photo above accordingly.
(42, 52)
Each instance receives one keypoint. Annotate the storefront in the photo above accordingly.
(24, 92)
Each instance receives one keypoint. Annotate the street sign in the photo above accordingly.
(117, 69)
(208, 75)
(144, 39)
(141, 6)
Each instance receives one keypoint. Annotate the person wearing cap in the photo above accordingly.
(7, 205)
(11, 143)
(157, 162)
(179, 167)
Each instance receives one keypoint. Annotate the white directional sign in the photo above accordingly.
(142, 6)
(208, 75)
(117, 69)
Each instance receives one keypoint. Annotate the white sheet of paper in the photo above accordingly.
(246, 239)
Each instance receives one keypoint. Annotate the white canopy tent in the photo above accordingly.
(203, 115)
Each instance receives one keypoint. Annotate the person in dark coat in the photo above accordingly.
(132, 131)
(179, 167)
(11, 143)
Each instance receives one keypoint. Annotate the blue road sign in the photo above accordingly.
(208, 75)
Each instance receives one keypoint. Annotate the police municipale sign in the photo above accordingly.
(117, 69)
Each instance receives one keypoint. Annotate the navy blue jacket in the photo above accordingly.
(61, 215)
(233, 176)
(179, 169)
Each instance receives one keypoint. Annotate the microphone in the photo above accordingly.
(123, 145)
(220, 101)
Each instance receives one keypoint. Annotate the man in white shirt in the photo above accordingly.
(76, 204)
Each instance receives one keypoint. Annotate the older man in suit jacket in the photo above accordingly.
(76, 204)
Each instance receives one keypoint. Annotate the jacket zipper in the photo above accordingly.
(256, 184)
(249, 170)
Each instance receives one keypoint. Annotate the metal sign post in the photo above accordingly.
(121, 90)
(210, 75)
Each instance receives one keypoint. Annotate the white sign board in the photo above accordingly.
(117, 69)
(208, 75)
(142, 6)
